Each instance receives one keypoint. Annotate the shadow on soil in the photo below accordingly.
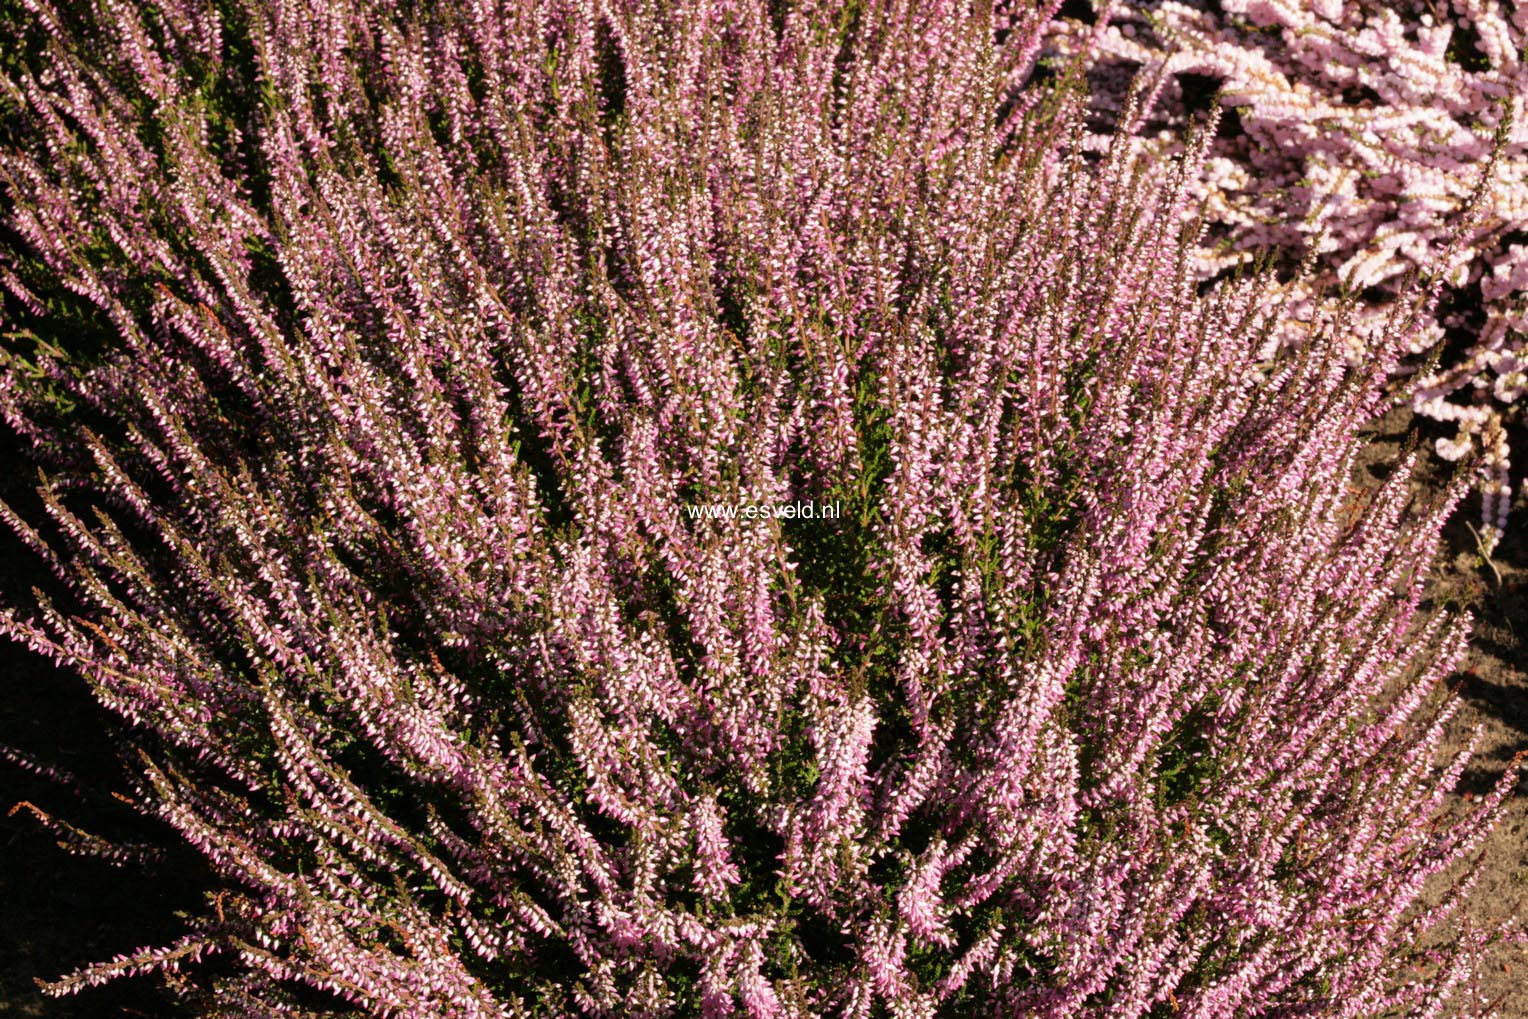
(60, 911)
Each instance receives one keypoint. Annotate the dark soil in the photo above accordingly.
(60, 911)
(1492, 684)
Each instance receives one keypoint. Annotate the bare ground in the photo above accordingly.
(1492, 685)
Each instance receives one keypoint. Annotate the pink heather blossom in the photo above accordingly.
(371, 356)
(1359, 134)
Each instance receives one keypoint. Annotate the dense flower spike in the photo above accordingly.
(1357, 131)
(404, 338)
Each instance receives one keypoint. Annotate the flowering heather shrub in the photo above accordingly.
(1359, 131)
(417, 330)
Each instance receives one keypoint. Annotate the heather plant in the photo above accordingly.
(1353, 132)
(406, 336)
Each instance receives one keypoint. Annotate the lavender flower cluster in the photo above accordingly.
(1361, 131)
(403, 335)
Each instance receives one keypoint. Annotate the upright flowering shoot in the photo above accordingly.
(423, 338)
